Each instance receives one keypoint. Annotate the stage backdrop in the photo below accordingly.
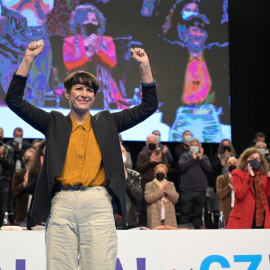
(186, 40)
(155, 250)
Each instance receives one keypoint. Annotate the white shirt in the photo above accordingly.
(232, 192)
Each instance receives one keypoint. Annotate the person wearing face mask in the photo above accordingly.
(251, 185)
(164, 148)
(262, 146)
(19, 145)
(225, 190)
(6, 163)
(194, 166)
(19, 183)
(134, 196)
(161, 195)
(183, 147)
(90, 50)
(147, 160)
(219, 163)
(34, 172)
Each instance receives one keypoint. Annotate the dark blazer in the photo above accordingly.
(57, 128)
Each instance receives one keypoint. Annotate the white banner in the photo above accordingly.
(155, 250)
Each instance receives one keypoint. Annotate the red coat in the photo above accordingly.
(242, 214)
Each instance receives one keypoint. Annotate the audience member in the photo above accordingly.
(225, 190)
(134, 196)
(19, 146)
(6, 163)
(146, 162)
(35, 143)
(225, 151)
(193, 165)
(258, 137)
(19, 183)
(129, 162)
(183, 147)
(32, 181)
(160, 195)
(262, 146)
(164, 148)
(251, 187)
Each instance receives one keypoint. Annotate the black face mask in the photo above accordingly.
(231, 168)
(151, 146)
(89, 29)
(160, 176)
(226, 148)
(255, 164)
(26, 161)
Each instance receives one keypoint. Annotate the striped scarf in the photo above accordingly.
(259, 200)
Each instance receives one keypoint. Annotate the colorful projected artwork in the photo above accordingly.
(187, 41)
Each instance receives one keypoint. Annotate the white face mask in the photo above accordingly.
(262, 151)
(188, 138)
(124, 158)
(196, 148)
(18, 141)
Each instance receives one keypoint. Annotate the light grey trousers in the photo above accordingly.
(81, 223)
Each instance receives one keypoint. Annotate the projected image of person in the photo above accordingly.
(79, 187)
(36, 14)
(199, 95)
(88, 49)
(13, 33)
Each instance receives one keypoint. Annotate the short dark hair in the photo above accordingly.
(81, 77)
(259, 134)
(17, 129)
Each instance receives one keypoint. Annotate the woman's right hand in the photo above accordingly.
(34, 48)
(250, 170)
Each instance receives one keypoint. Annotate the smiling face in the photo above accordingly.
(81, 98)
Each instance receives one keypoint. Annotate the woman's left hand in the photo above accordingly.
(250, 170)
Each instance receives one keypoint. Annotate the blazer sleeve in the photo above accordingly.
(242, 183)
(130, 117)
(35, 117)
(222, 189)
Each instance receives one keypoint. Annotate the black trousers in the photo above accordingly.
(191, 205)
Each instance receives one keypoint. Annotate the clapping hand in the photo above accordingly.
(250, 170)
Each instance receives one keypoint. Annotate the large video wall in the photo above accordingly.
(186, 40)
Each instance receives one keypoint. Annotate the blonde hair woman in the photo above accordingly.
(160, 195)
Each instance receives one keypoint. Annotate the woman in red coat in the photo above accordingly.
(251, 185)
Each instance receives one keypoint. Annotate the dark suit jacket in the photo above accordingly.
(57, 128)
